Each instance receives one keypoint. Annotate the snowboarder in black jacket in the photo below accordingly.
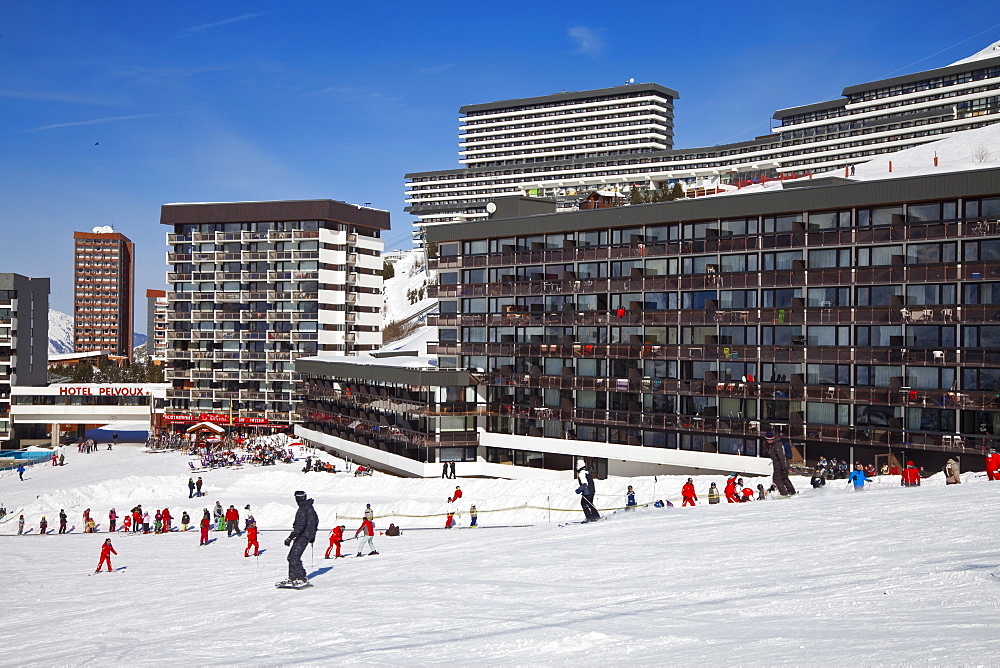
(303, 533)
(817, 479)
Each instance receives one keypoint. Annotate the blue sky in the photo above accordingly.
(110, 109)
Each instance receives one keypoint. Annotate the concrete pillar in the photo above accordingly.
(55, 435)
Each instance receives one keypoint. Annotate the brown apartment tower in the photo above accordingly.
(103, 288)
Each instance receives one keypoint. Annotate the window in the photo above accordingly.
(829, 258)
(697, 300)
(592, 270)
(820, 413)
(828, 297)
(876, 375)
(931, 253)
(828, 374)
(592, 238)
(931, 212)
(878, 256)
(738, 299)
(887, 215)
(780, 261)
(828, 220)
(879, 295)
(738, 263)
(880, 335)
(828, 335)
(930, 294)
(782, 335)
(780, 298)
(930, 336)
(785, 223)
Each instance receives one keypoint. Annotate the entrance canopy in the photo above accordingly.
(206, 426)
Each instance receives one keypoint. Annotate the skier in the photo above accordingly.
(137, 518)
(303, 533)
(43, 525)
(859, 478)
(586, 490)
(630, 498)
(55, 459)
(457, 495)
(62, 521)
(779, 462)
(367, 529)
(993, 465)
(688, 493)
(190, 488)
(145, 522)
(127, 523)
(197, 487)
(252, 538)
(62, 459)
(474, 514)
(112, 520)
(90, 526)
(450, 521)
(20, 472)
(206, 522)
(911, 476)
(185, 521)
(158, 527)
(369, 514)
(761, 493)
(166, 519)
(951, 472)
(731, 489)
(20, 525)
(106, 551)
(817, 480)
(233, 521)
(217, 515)
(713, 495)
(336, 536)
(249, 517)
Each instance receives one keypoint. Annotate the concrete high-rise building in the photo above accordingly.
(24, 341)
(103, 291)
(156, 324)
(256, 285)
(566, 145)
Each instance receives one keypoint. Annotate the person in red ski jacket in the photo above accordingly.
(252, 538)
(336, 536)
(993, 465)
(106, 551)
(457, 495)
(166, 520)
(136, 518)
(911, 476)
(687, 491)
(206, 522)
(367, 530)
(232, 521)
(731, 490)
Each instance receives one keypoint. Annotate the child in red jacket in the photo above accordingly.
(336, 536)
(106, 551)
(252, 538)
(687, 491)
(205, 524)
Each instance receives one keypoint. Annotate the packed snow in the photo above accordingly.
(891, 575)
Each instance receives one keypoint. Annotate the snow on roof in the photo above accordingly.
(962, 151)
(90, 353)
(992, 51)
(400, 362)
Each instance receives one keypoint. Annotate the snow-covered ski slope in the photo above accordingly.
(888, 576)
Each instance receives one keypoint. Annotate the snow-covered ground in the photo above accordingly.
(60, 333)
(888, 576)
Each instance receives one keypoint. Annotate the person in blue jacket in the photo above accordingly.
(859, 478)
(630, 497)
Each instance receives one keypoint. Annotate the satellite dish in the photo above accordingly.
(104, 229)
(631, 80)
(491, 208)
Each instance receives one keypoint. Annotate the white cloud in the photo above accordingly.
(95, 121)
(588, 42)
(187, 32)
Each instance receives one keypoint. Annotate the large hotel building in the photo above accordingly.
(858, 319)
(103, 292)
(565, 145)
(255, 286)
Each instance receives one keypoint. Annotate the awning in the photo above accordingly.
(206, 426)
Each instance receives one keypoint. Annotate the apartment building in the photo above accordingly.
(553, 154)
(857, 319)
(24, 344)
(103, 291)
(156, 324)
(256, 285)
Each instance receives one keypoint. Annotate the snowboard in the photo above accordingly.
(117, 570)
(282, 585)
